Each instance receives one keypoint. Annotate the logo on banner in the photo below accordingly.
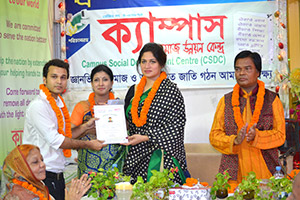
(77, 31)
(88, 3)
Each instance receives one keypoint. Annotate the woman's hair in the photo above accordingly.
(26, 148)
(158, 52)
(102, 68)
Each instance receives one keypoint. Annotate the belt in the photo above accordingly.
(57, 176)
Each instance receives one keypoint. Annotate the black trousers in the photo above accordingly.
(56, 185)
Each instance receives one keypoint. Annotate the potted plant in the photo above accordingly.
(103, 183)
(248, 188)
(157, 187)
(220, 186)
(280, 188)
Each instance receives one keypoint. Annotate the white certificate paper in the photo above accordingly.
(111, 126)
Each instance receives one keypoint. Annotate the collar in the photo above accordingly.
(58, 101)
(252, 93)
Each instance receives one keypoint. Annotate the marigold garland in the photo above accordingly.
(140, 121)
(258, 105)
(31, 188)
(92, 101)
(60, 120)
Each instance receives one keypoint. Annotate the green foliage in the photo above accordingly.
(103, 183)
(275, 187)
(158, 181)
(249, 184)
(279, 186)
(221, 182)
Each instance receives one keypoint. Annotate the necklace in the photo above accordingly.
(60, 120)
(30, 187)
(258, 105)
(92, 101)
(140, 121)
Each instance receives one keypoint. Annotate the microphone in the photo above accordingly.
(289, 152)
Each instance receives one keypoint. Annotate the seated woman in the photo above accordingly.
(89, 160)
(23, 172)
(155, 114)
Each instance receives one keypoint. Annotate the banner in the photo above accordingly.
(24, 49)
(201, 40)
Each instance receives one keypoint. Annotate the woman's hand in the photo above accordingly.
(78, 188)
(91, 123)
(91, 131)
(136, 139)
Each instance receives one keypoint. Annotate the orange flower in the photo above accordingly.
(293, 173)
(232, 187)
(92, 101)
(190, 182)
(60, 120)
(140, 121)
(205, 184)
(258, 105)
(30, 188)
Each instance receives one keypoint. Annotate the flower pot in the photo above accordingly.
(222, 193)
(249, 194)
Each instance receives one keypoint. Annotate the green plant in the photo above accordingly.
(220, 183)
(103, 183)
(279, 187)
(249, 186)
(158, 181)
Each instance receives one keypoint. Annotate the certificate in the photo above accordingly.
(111, 125)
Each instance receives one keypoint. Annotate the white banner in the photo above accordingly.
(201, 41)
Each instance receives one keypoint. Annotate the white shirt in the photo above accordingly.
(41, 129)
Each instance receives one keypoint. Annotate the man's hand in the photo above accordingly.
(136, 139)
(251, 133)
(241, 135)
(96, 144)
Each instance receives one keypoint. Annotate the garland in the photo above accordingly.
(258, 105)
(92, 101)
(31, 188)
(60, 121)
(140, 121)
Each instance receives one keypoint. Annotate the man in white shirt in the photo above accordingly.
(47, 125)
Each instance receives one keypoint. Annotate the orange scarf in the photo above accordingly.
(60, 120)
(140, 121)
(15, 163)
(31, 188)
(258, 105)
(92, 101)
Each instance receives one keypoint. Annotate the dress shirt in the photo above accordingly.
(41, 129)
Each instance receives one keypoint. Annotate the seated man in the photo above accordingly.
(249, 123)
